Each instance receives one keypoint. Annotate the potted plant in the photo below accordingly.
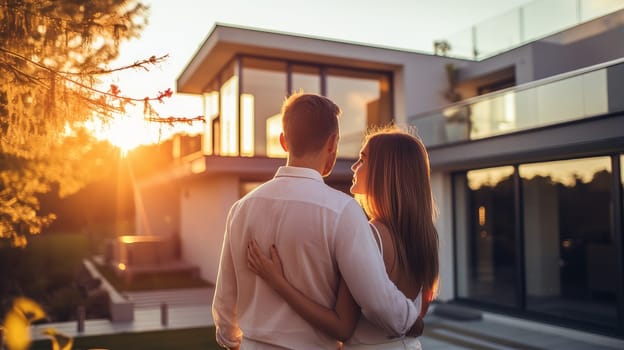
(457, 118)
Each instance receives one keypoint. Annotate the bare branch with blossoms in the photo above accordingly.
(104, 99)
(52, 56)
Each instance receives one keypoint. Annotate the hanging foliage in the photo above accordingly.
(52, 57)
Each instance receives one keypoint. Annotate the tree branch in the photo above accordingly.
(114, 92)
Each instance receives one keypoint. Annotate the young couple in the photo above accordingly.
(302, 268)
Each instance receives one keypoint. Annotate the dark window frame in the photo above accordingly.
(520, 310)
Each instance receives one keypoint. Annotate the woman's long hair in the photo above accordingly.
(399, 195)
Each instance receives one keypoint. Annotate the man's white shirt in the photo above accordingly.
(321, 234)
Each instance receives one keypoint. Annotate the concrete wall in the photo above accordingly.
(419, 86)
(560, 54)
(441, 187)
(520, 59)
(157, 209)
(204, 208)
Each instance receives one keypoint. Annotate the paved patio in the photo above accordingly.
(491, 332)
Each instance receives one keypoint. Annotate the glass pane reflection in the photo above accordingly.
(486, 249)
(365, 100)
(264, 89)
(306, 79)
(569, 248)
(227, 124)
(211, 112)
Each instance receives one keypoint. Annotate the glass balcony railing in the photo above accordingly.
(574, 95)
(522, 25)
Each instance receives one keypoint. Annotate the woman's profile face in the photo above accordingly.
(360, 171)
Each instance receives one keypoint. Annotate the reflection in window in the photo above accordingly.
(264, 81)
(247, 125)
(364, 97)
(229, 117)
(365, 101)
(274, 129)
(493, 116)
(570, 256)
(486, 236)
(306, 79)
(211, 111)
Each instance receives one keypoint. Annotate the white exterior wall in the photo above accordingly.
(203, 211)
(156, 209)
(422, 85)
(441, 187)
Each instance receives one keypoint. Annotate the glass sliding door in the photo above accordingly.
(570, 255)
(486, 251)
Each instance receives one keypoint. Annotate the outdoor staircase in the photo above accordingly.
(173, 297)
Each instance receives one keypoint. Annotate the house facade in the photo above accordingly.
(526, 150)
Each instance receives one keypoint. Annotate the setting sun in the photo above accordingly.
(130, 131)
(125, 132)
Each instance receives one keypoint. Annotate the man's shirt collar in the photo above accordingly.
(291, 171)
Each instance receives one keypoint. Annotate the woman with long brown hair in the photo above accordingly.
(391, 180)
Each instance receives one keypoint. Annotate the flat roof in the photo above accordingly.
(225, 41)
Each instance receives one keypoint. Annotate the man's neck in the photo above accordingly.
(313, 163)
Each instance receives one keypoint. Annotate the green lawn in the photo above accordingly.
(44, 271)
(187, 339)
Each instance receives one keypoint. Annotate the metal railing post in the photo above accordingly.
(164, 314)
(81, 314)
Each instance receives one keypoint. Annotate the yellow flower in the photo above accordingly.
(59, 340)
(17, 323)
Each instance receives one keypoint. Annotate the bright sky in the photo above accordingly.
(179, 27)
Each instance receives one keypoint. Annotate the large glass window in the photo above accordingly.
(228, 120)
(211, 112)
(486, 251)
(365, 100)
(570, 255)
(306, 79)
(243, 107)
(263, 91)
(274, 129)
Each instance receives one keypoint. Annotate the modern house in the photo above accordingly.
(526, 143)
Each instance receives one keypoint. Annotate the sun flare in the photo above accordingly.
(125, 132)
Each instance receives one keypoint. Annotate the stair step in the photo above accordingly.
(172, 297)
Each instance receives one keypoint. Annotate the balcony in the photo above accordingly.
(575, 95)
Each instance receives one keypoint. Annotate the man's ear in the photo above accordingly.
(332, 143)
(283, 142)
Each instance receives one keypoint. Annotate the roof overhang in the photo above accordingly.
(225, 42)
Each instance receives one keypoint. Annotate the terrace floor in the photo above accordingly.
(190, 308)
